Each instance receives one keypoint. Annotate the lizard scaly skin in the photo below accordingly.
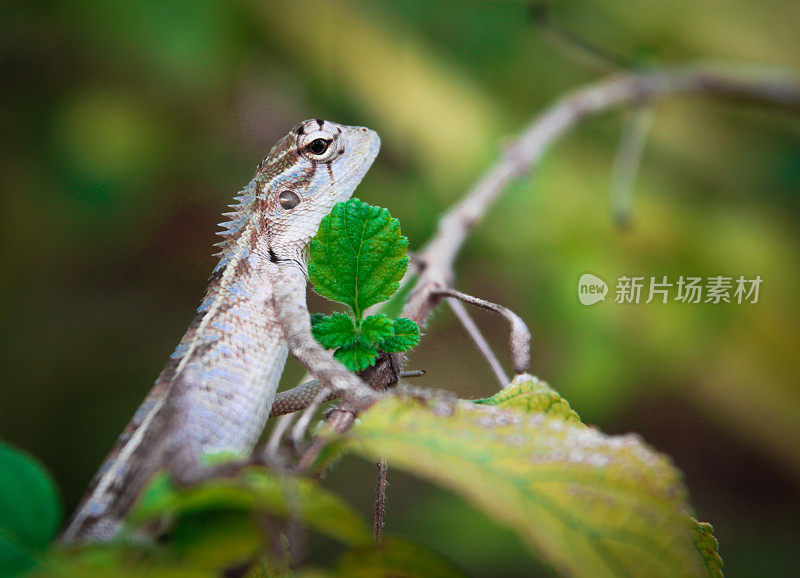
(217, 389)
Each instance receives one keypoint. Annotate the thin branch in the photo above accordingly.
(299, 429)
(635, 129)
(779, 89)
(276, 435)
(574, 48)
(436, 259)
(476, 335)
(520, 336)
(380, 500)
(381, 376)
(412, 373)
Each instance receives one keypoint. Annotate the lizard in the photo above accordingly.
(216, 391)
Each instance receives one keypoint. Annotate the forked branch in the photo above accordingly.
(779, 89)
(435, 261)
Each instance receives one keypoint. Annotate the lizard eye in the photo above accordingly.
(318, 146)
(319, 141)
(288, 200)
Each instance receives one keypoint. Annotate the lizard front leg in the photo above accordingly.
(289, 294)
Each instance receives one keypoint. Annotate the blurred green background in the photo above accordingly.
(128, 126)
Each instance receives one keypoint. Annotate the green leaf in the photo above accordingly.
(395, 558)
(254, 490)
(358, 255)
(121, 560)
(405, 336)
(375, 328)
(588, 504)
(357, 356)
(335, 330)
(206, 536)
(30, 511)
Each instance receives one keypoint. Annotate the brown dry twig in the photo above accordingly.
(520, 336)
(435, 261)
(477, 337)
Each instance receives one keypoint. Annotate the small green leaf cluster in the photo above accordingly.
(358, 258)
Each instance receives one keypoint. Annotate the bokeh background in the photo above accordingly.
(128, 126)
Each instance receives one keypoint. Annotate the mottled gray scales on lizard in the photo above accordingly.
(217, 389)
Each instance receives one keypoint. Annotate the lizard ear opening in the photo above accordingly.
(288, 200)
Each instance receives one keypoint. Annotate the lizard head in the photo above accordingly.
(318, 164)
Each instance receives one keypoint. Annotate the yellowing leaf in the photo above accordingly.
(532, 395)
(708, 547)
(587, 503)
